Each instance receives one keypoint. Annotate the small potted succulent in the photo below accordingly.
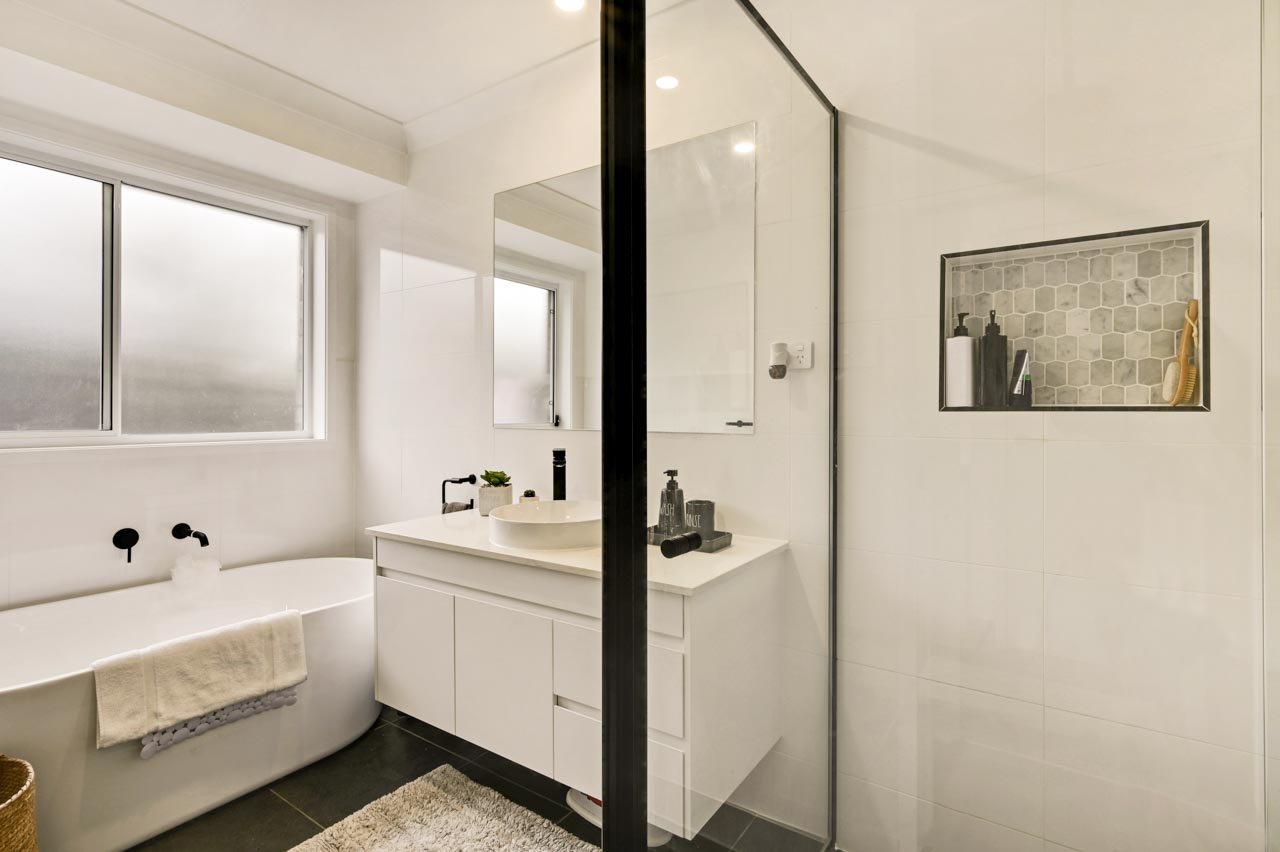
(496, 490)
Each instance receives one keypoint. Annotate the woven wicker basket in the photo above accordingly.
(17, 805)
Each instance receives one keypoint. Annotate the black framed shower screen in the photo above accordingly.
(624, 424)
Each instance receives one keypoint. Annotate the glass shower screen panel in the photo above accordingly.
(739, 662)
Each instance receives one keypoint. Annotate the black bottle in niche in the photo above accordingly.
(994, 354)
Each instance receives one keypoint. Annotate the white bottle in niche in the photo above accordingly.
(961, 367)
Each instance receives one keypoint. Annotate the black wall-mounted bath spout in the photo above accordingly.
(126, 539)
(185, 531)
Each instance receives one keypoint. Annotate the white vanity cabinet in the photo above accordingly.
(502, 681)
(415, 651)
(503, 648)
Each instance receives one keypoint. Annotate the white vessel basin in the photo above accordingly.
(546, 525)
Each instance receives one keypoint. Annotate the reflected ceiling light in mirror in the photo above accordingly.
(571, 5)
(744, 147)
(666, 81)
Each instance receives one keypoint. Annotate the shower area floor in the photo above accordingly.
(399, 749)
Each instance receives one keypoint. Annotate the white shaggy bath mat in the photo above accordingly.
(444, 811)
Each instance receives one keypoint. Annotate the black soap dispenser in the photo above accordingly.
(994, 354)
(671, 507)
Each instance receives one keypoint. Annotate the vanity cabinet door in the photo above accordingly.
(504, 696)
(415, 651)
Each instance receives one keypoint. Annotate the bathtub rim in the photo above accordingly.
(58, 678)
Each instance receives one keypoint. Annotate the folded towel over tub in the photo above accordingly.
(140, 692)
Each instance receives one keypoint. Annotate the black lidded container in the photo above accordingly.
(993, 353)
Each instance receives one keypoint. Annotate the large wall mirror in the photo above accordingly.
(701, 287)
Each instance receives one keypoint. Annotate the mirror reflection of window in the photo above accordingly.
(523, 354)
(700, 293)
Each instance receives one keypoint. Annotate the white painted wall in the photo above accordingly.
(257, 501)
(1050, 630)
(425, 388)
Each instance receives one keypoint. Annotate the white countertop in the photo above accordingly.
(468, 532)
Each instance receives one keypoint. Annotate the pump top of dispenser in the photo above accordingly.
(993, 327)
(961, 329)
(673, 474)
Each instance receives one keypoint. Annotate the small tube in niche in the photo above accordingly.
(1020, 386)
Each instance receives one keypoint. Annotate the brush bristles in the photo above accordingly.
(1187, 385)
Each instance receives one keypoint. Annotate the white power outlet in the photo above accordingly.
(801, 355)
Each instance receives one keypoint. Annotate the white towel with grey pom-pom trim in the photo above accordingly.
(157, 742)
(165, 685)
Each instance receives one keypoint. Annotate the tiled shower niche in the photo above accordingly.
(1101, 317)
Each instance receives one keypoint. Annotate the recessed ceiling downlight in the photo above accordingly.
(666, 81)
(744, 147)
(571, 5)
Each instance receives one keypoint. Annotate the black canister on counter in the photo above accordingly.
(700, 515)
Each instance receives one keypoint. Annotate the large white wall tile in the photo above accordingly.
(4, 568)
(1112, 786)
(941, 828)
(810, 484)
(957, 500)
(1169, 516)
(877, 610)
(981, 754)
(927, 111)
(872, 818)
(890, 252)
(1119, 83)
(981, 628)
(440, 319)
(804, 712)
(877, 723)
(805, 590)
(1183, 663)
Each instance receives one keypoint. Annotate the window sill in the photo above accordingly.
(151, 446)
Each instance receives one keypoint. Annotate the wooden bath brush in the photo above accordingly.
(1180, 377)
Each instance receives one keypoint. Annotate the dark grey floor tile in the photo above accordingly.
(374, 765)
(444, 739)
(546, 787)
(551, 809)
(390, 714)
(765, 836)
(585, 830)
(725, 827)
(580, 828)
(257, 822)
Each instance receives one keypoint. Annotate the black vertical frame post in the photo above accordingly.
(624, 424)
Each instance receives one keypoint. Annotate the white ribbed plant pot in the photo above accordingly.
(493, 496)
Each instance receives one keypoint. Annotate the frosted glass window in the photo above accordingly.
(523, 353)
(51, 294)
(212, 319)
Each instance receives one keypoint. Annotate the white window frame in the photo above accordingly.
(564, 285)
(313, 307)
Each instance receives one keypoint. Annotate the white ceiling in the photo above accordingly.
(400, 58)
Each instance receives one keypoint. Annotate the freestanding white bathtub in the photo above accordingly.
(94, 800)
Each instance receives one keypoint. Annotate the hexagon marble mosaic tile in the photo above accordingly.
(1101, 319)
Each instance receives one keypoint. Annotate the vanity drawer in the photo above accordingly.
(576, 675)
(578, 761)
